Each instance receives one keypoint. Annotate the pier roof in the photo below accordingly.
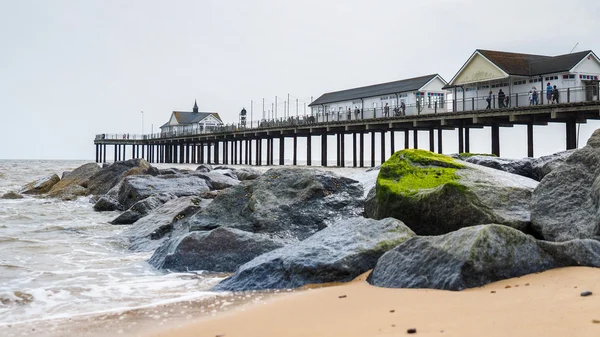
(410, 84)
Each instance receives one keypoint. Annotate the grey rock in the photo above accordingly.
(290, 203)
(106, 204)
(566, 203)
(338, 253)
(522, 167)
(219, 250)
(151, 231)
(40, 186)
(204, 168)
(11, 195)
(136, 188)
(108, 177)
(542, 166)
(247, 173)
(65, 174)
(169, 171)
(78, 177)
(215, 180)
(474, 256)
(142, 208)
(478, 195)
(71, 192)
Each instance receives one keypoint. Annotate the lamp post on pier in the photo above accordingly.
(142, 124)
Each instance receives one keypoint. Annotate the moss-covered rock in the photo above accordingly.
(40, 186)
(436, 194)
(338, 253)
(474, 256)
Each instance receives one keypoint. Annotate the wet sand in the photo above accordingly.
(544, 304)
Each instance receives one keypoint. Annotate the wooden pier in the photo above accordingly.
(246, 146)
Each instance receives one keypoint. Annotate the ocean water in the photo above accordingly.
(61, 259)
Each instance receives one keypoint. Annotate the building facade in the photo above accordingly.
(191, 122)
(417, 95)
(520, 77)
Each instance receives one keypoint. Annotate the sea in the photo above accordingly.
(65, 271)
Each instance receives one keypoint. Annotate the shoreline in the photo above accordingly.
(542, 304)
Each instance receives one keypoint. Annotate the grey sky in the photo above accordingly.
(73, 69)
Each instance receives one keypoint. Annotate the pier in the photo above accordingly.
(239, 144)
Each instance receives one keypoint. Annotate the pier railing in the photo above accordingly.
(466, 102)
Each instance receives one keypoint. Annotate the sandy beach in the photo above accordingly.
(544, 304)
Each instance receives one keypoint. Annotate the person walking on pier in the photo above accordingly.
(403, 108)
(356, 112)
(386, 110)
(549, 93)
(488, 99)
(501, 98)
(534, 96)
(349, 114)
(555, 95)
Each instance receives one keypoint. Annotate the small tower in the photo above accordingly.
(195, 106)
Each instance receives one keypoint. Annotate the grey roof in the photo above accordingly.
(533, 65)
(188, 117)
(410, 84)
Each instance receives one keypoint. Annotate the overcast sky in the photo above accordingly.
(73, 69)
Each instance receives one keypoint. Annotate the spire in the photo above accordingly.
(195, 106)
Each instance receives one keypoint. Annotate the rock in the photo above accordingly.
(169, 171)
(435, 194)
(204, 168)
(78, 177)
(71, 192)
(542, 166)
(40, 186)
(216, 180)
(142, 208)
(107, 204)
(136, 188)
(474, 256)
(289, 203)
(586, 293)
(338, 253)
(151, 231)
(219, 250)
(107, 177)
(11, 195)
(522, 167)
(565, 204)
(247, 173)
(65, 174)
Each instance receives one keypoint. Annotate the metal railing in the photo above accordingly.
(463, 104)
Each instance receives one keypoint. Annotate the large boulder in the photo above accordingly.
(107, 203)
(142, 208)
(151, 231)
(247, 173)
(338, 253)
(435, 194)
(11, 195)
(474, 256)
(284, 202)
(522, 167)
(78, 177)
(204, 168)
(216, 180)
(109, 176)
(565, 204)
(542, 166)
(40, 186)
(220, 250)
(136, 188)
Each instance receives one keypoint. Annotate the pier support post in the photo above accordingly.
(496, 139)
(209, 152)
(373, 147)
(225, 152)
(124, 151)
(530, 139)
(571, 126)
(354, 161)
(104, 153)
(281, 150)
(249, 149)
(431, 140)
(182, 153)
(246, 152)
(415, 139)
(461, 147)
(382, 147)
(97, 154)
(338, 150)
(362, 150)
(258, 151)
(406, 139)
(308, 152)
(187, 153)
(392, 143)
(440, 141)
(467, 140)
(324, 149)
(115, 154)
(217, 145)
(295, 149)
(343, 150)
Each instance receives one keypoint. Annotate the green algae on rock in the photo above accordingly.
(435, 194)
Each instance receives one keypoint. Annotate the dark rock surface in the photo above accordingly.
(204, 168)
(219, 250)
(522, 167)
(566, 203)
(78, 177)
(40, 186)
(435, 194)
(338, 253)
(11, 195)
(107, 204)
(136, 188)
(474, 256)
(109, 176)
(290, 203)
(142, 208)
(151, 231)
(247, 173)
(216, 180)
(542, 166)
